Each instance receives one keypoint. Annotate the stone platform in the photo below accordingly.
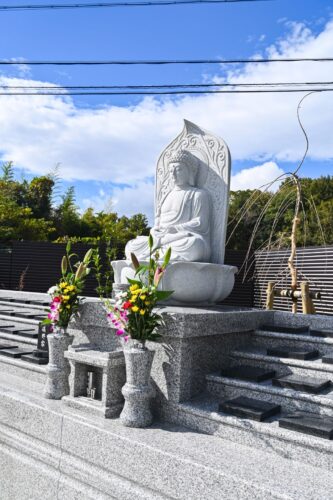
(49, 452)
(226, 424)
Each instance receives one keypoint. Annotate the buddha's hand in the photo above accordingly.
(172, 230)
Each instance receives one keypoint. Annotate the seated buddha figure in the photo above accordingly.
(183, 218)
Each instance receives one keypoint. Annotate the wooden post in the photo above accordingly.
(307, 303)
(270, 295)
(293, 238)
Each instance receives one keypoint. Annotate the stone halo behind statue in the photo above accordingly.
(191, 206)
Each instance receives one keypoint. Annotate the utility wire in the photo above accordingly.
(157, 3)
(161, 62)
(166, 86)
(171, 92)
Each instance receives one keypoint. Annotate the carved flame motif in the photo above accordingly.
(213, 175)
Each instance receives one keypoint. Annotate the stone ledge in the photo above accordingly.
(164, 461)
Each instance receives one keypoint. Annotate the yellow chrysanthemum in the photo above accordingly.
(142, 312)
(65, 298)
(71, 288)
(142, 297)
(63, 285)
(147, 303)
(68, 307)
(134, 287)
(135, 309)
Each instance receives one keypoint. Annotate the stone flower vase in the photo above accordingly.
(58, 369)
(137, 391)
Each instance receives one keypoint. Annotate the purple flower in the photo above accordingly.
(120, 332)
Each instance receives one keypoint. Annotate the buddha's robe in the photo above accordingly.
(183, 225)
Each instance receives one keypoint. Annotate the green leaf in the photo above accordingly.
(87, 257)
(163, 294)
(134, 282)
(68, 247)
(80, 272)
(141, 268)
(150, 241)
(167, 258)
(46, 321)
(64, 265)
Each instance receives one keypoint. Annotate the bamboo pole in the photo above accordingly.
(293, 238)
(270, 295)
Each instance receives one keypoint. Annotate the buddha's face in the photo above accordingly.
(180, 174)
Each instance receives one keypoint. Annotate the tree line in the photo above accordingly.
(28, 212)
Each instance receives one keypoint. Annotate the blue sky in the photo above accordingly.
(108, 146)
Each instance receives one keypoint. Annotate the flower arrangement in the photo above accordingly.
(133, 313)
(65, 295)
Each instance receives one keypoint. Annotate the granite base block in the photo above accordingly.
(72, 457)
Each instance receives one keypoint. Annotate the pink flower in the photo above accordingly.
(56, 299)
(120, 332)
(158, 275)
(126, 338)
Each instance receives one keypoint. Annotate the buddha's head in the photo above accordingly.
(183, 167)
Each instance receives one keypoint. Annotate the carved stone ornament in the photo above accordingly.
(213, 174)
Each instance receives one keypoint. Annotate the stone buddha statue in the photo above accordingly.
(183, 218)
(191, 210)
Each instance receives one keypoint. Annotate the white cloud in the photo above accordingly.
(122, 144)
(136, 199)
(257, 177)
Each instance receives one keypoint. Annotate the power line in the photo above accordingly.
(156, 3)
(163, 86)
(171, 92)
(162, 62)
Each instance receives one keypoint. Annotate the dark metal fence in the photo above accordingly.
(35, 267)
(315, 265)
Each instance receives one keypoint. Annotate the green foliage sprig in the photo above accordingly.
(65, 294)
(134, 315)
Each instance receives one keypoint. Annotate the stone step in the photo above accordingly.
(255, 409)
(283, 366)
(272, 340)
(248, 373)
(5, 318)
(27, 331)
(8, 301)
(328, 359)
(29, 315)
(37, 360)
(7, 346)
(285, 329)
(15, 352)
(224, 388)
(321, 333)
(18, 339)
(34, 302)
(304, 384)
(287, 352)
(309, 423)
(22, 333)
(202, 415)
